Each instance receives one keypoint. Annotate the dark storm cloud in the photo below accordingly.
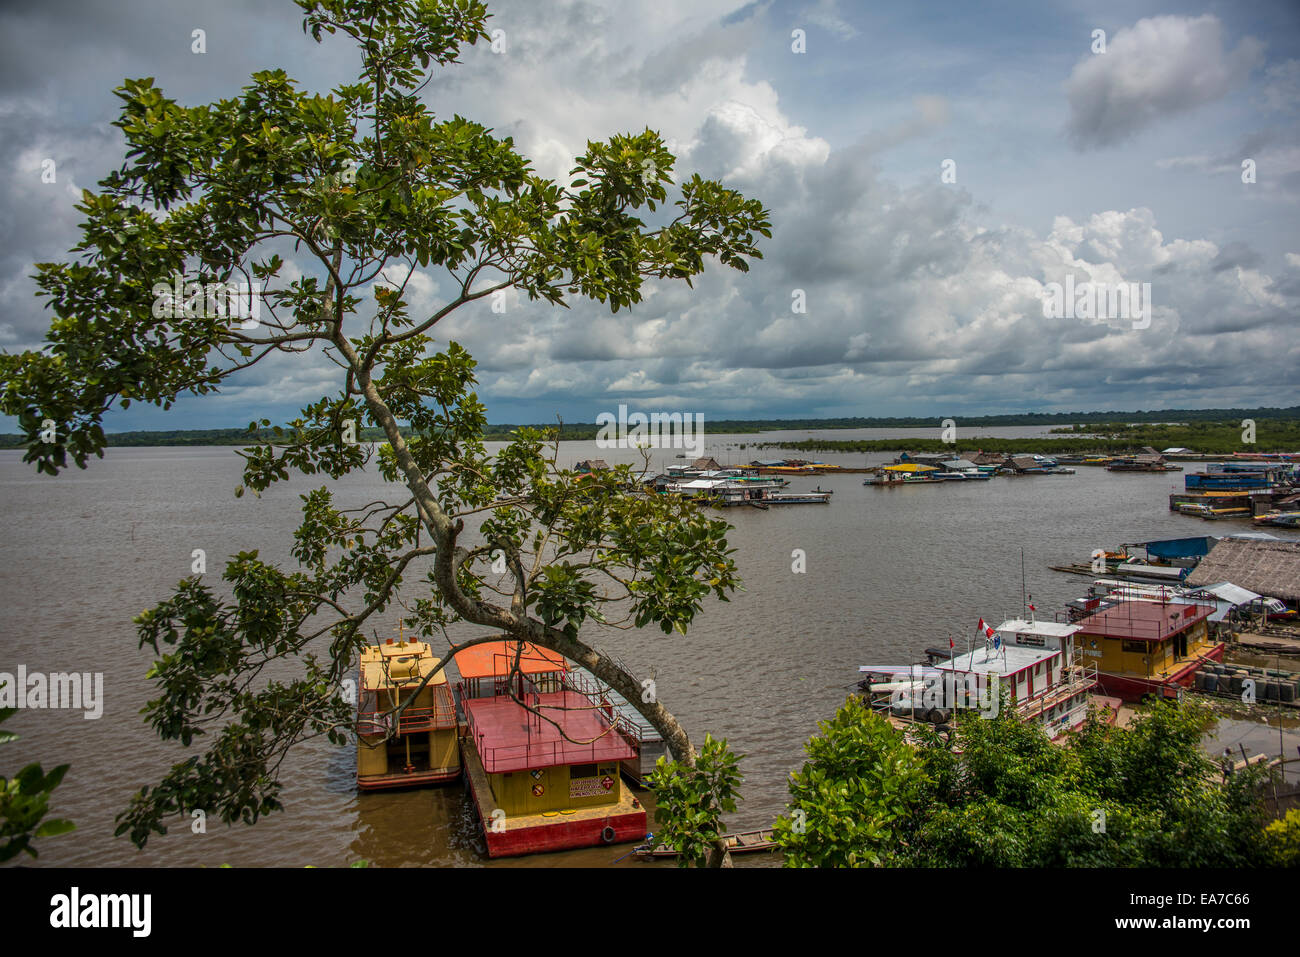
(1235, 254)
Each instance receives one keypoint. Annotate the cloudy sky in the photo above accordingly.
(931, 169)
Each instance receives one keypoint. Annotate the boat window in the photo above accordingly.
(582, 771)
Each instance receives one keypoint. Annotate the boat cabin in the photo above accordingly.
(417, 746)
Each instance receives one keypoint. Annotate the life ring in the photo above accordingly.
(607, 835)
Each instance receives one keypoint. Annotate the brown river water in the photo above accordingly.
(889, 573)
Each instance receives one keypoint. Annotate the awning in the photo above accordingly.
(1179, 547)
(909, 467)
(1233, 594)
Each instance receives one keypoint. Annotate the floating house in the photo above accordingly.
(417, 746)
(1148, 460)
(922, 458)
(1238, 476)
(905, 473)
(544, 777)
(1029, 465)
(1226, 597)
(1146, 647)
(960, 469)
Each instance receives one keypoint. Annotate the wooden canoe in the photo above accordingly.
(742, 843)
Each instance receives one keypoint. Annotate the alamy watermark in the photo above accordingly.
(919, 688)
(79, 691)
(180, 299)
(1098, 300)
(658, 430)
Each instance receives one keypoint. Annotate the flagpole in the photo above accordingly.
(1022, 582)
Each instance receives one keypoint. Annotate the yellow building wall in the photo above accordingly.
(514, 791)
(1116, 660)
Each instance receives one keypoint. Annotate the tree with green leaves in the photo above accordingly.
(853, 794)
(996, 792)
(1284, 839)
(25, 804)
(690, 802)
(361, 188)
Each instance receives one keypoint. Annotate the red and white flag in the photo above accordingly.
(989, 632)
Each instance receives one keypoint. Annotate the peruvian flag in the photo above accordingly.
(989, 632)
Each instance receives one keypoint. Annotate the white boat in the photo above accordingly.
(1034, 660)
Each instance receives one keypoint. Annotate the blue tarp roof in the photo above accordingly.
(1179, 547)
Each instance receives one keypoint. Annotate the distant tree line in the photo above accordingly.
(1206, 437)
(1208, 430)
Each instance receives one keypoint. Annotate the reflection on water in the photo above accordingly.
(889, 572)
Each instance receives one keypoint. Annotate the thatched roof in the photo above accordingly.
(1270, 568)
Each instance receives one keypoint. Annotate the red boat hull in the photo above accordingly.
(566, 835)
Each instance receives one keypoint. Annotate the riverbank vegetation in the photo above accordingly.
(1207, 437)
(995, 792)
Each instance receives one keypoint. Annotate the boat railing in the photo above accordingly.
(533, 753)
(379, 721)
(509, 757)
(1075, 679)
(599, 694)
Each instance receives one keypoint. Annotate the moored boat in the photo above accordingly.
(1033, 660)
(745, 842)
(1147, 647)
(418, 744)
(543, 753)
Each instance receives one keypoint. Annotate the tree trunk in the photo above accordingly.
(447, 559)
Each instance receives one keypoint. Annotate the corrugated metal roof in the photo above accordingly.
(1233, 594)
